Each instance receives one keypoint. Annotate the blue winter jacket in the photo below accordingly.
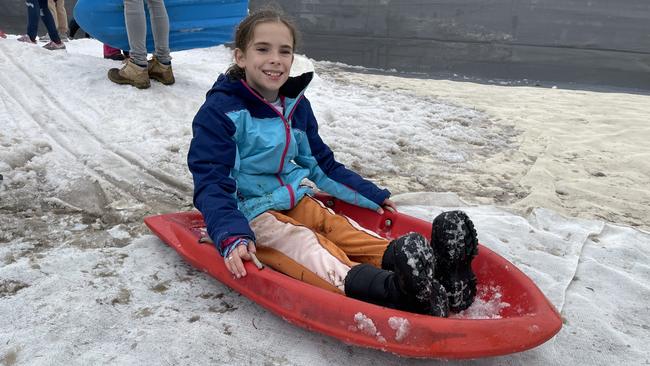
(247, 158)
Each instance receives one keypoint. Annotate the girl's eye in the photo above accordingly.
(262, 49)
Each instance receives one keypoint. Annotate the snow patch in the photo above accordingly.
(488, 304)
(119, 232)
(366, 325)
(401, 327)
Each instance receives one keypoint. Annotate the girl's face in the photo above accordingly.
(267, 59)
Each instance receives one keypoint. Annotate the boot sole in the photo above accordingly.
(454, 259)
(161, 80)
(414, 267)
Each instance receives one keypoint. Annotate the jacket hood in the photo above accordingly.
(292, 88)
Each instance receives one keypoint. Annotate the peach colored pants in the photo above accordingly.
(313, 244)
(57, 8)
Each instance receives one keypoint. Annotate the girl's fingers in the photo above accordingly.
(242, 250)
(231, 261)
(235, 261)
(238, 266)
(390, 205)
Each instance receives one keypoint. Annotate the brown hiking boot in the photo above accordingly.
(131, 74)
(160, 72)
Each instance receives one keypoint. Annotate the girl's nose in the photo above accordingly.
(275, 57)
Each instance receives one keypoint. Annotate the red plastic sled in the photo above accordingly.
(529, 321)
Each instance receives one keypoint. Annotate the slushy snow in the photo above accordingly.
(84, 282)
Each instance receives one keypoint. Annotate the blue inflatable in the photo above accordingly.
(192, 23)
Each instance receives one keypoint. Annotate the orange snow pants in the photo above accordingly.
(313, 244)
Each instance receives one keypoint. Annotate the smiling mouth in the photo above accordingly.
(273, 74)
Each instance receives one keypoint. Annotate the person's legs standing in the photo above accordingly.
(136, 29)
(160, 67)
(160, 30)
(62, 18)
(33, 13)
(48, 20)
(134, 71)
(51, 6)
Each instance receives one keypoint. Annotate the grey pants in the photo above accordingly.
(136, 27)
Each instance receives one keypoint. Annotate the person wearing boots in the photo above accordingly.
(137, 71)
(255, 141)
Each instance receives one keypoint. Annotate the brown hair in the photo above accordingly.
(246, 28)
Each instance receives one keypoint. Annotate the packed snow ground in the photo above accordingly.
(82, 281)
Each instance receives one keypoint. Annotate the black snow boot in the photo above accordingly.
(455, 244)
(411, 258)
(370, 284)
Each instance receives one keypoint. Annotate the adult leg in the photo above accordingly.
(62, 18)
(73, 27)
(136, 28)
(51, 6)
(160, 30)
(134, 71)
(48, 20)
(33, 13)
(160, 67)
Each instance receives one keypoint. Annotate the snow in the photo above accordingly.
(365, 324)
(82, 280)
(401, 327)
(487, 304)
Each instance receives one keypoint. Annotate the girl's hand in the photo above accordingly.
(389, 205)
(235, 260)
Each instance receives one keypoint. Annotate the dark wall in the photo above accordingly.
(586, 41)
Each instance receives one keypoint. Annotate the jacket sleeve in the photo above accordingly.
(211, 158)
(332, 176)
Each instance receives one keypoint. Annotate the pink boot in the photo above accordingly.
(112, 53)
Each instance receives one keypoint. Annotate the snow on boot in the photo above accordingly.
(132, 74)
(455, 245)
(161, 72)
(377, 286)
(411, 258)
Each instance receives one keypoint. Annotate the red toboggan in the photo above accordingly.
(529, 321)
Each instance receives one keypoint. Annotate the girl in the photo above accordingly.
(256, 140)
